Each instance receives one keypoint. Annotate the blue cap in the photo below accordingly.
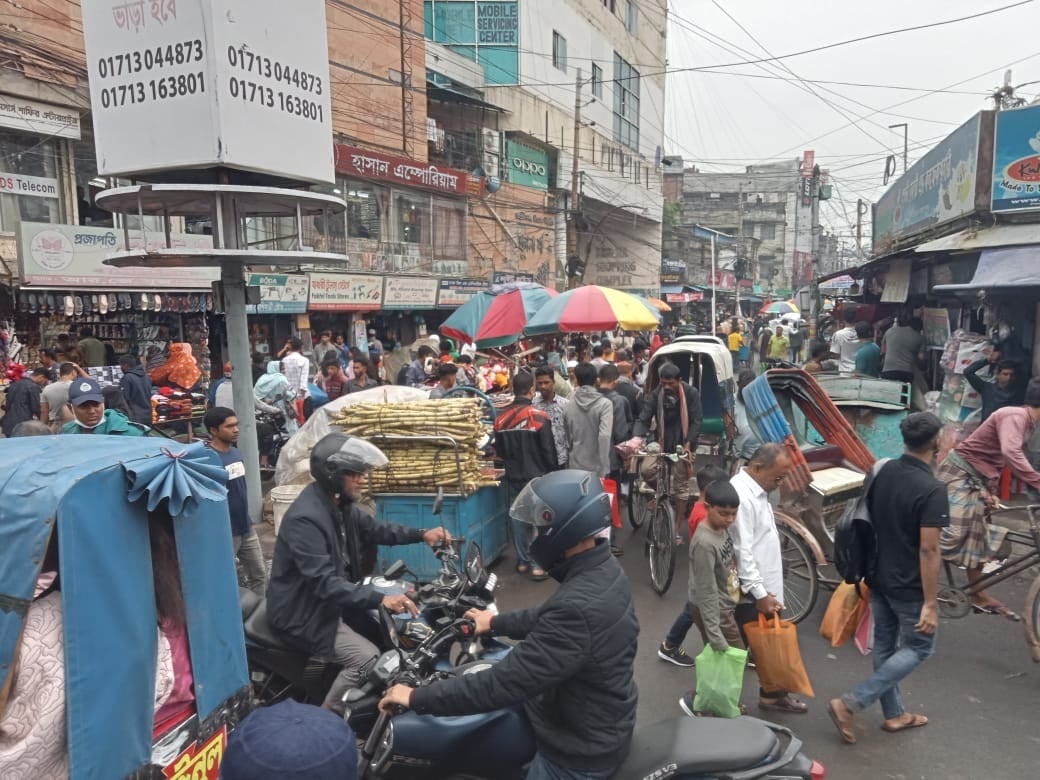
(290, 740)
(83, 390)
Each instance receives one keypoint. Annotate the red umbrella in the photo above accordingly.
(497, 317)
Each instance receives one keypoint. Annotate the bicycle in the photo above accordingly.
(656, 507)
(956, 602)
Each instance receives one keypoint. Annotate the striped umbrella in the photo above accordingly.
(591, 308)
(497, 317)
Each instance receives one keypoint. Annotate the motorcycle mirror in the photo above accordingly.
(474, 562)
(395, 570)
(438, 502)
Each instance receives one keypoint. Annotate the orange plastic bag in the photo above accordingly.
(844, 613)
(778, 660)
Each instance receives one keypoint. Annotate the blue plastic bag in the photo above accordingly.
(318, 396)
(720, 679)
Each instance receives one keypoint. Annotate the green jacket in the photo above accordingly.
(114, 424)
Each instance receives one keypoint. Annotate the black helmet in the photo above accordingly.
(337, 454)
(564, 507)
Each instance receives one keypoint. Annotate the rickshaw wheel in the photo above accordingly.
(801, 579)
(638, 503)
(1033, 619)
(662, 546)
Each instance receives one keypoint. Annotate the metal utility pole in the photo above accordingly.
(573, 266)
(861, 209)
(740, 249)
(906, 130)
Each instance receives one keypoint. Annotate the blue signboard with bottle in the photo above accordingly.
(1016, 160)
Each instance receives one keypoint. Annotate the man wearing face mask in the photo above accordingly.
(91, 416)
(676, 406)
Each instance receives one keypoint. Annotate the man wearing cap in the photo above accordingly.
(91, 416)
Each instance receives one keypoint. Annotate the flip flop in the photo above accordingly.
(996, 609)
(538, 577)
(70, 306)
(848, 736)
(522, 568)
(785, 703)
(915, 722)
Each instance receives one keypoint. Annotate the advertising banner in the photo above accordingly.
(191, 83)
(938, 188)
(344, 292)
(505, 277)
(455, 292)
(72, 256)
(33, 186)
(280, 293)
(1016, 160)
(18, 113)
(527, 166)
(410, 292)
(368, 164)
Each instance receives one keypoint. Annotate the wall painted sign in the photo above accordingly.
(526, 165)
(38, 118)
(344, 292)
(367, 164)
(455, 292)
(505, 277)
(938, 188)
(1016, 160)
(280, 293)
(410, 292)
(485, 31)
(190, 83)
(72, 256)
(33, 186)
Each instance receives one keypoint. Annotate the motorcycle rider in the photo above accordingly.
(315, 595)
(574, 668)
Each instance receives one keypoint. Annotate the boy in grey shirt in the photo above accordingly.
(714, 586)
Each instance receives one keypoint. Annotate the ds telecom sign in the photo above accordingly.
(197, 83)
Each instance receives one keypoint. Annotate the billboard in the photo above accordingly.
(485, 31)
(1016, 160)
(197, 83)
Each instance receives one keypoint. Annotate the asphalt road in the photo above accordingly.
(979, 690)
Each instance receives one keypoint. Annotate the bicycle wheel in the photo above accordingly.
(662, 546)
(801, 579)
(1033, 619)
(637, 503)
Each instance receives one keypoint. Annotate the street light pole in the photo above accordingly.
(906, 130)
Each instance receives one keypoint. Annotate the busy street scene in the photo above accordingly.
(505, 389)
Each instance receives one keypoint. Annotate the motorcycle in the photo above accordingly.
(499, 744)
(279, 671)
(280, 435)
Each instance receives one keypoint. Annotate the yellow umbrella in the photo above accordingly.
(592, 307)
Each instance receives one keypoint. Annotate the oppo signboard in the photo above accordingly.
(527, 166)
(197, 83)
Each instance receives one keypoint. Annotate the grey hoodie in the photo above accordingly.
(589, 419)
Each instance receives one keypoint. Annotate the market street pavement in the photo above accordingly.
(980, 690)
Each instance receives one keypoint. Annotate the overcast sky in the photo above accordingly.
(719, 120)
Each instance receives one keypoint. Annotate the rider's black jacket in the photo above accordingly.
(573, 669)
(316, 567)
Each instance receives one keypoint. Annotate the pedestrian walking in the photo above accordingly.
(759, 561)
(714, 587)
(22, 401)
(447, 376)
(91, 416)
(553, 404)
(903, 349)
(999, 392)
(54, 400)
(137, 389)
(908, 509)
(845, 342)
(868, 356)
(525, 444)
(222, 426)
(779, 345)
(589, 419)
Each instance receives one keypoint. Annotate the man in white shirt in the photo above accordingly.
(757, 546)
(845, 343)
(295, 367)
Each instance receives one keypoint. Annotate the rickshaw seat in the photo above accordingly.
(259, 630)
(826, 455)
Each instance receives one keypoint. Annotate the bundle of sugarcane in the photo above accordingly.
(429, 444)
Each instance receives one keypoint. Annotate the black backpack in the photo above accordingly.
(855, 542)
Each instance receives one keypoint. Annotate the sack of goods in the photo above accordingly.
(430, 444)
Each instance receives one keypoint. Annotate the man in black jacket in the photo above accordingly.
(526, 445)
(137, 389)
(574, 668)
(315, 593)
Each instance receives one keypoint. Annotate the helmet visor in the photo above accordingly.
(530, 508)
(358, 456)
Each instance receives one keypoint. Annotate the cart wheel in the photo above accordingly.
(638, 504)
(662, 546)
(491, 413)
(801, 579)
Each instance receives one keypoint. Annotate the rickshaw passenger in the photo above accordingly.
(315, 587)
(33, 736)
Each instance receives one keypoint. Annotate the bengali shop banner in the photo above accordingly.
(410, 292)
(345, 292)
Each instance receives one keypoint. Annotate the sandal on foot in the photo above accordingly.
(996, 608)
(538, 574)
(848, 736)
(913, 722)
(522, 568)
(785, 703)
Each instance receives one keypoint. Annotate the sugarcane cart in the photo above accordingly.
(437, 464)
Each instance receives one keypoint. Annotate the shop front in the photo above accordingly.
(65, 287)
(283, 299)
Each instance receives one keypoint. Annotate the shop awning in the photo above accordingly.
(987, 238)
(458, 95)
(674, 289)
(1009, 267)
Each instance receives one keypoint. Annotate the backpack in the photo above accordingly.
(855, 542)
